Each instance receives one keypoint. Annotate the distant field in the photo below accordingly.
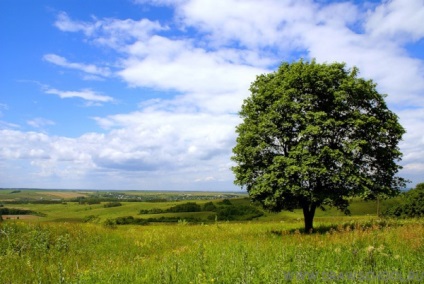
(62, 194)
(80, 241)
(75, 212)
(37, 194)
(78, 212)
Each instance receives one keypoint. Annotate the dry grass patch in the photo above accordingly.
(62, 194)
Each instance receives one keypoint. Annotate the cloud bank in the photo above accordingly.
(207, 59)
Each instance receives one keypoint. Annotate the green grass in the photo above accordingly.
(250, 252)
(60, 248)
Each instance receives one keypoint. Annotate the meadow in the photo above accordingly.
(62, 248)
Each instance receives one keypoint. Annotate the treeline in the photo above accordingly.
(411, 204)
(18, 211)
(112, 204)
(224, 210)
(32, 201)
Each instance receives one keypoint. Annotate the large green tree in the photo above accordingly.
(316, 134)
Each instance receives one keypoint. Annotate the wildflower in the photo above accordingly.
(370, 249)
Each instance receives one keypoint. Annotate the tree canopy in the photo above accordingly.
(316, 134)
(411, 204)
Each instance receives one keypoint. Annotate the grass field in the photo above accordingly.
(251, 252)
(60, 248)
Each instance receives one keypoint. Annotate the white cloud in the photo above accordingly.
(40, 122)
(85, 94)
(87, 68)
(142, 146)
(8, 125)
(170, 64)
(251, 24)
(397, 20)
(109, 31)
(64, 23)
(187, 139)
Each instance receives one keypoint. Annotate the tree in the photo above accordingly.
(411, 204)
(316, 134)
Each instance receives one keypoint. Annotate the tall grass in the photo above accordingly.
(272, 252)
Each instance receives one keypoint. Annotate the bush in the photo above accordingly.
(110, 223)
(225, 202)
(112, 204)
(152, 211)
(240, 213)
(15, 211)
(90, 218)
(412, 204)
(186, 207)
(209, 206)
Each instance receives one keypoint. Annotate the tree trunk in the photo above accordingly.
(308, 215)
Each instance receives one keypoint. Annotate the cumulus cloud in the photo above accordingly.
(139, 145)
(208, 65)
(111, 32)
(397, 20)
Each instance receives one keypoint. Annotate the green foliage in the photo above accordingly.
(209, 206)
(239, 213)
(89, 201)
(130, 220)
(112, 204)
(16, 211)
(316, 134)
(110, 223)
(90, 218)
(225, 202)
(411, 206)
(224, 210)
(185, 207)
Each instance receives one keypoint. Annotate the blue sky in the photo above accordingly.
(139, 94)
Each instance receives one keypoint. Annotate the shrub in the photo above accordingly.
(209, 206)
(241, 213)
(90, 218)
(225, 202)
(112, 204)
(412, 204)
(152, 211)
(186, 207)
(110, 223)
(15, 211)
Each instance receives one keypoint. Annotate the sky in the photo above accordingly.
(145, 94)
